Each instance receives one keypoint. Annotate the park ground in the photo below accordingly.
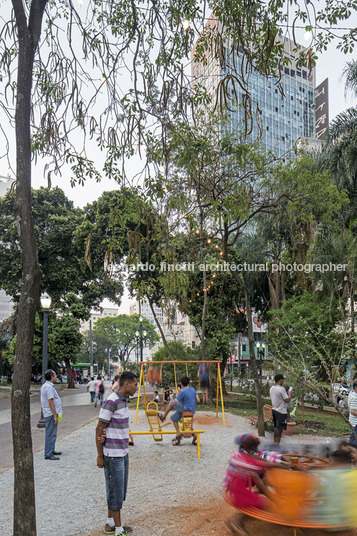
(171, 492)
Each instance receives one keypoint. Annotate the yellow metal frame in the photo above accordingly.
(152, 414)
(197, 432)
(142, 381)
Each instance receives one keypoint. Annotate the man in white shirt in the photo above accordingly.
(279, 400)
(51, 408)
(91, 388)
(352, 406)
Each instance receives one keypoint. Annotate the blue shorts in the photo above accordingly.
(116, 471)
(179, 409)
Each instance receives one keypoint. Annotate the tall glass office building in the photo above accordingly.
(278, 121)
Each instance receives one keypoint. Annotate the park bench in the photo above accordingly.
(267, 414)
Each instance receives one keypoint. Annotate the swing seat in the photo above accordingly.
(186, 424)
(152, 414)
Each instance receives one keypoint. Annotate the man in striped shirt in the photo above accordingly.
(352, 406)
(113, 454)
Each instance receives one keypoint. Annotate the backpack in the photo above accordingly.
(101, 389)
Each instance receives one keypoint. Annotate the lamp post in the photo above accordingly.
(137, 335)
(46, 304)
(141, 338)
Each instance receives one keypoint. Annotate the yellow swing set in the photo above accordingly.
(219, 395)
(152, 411)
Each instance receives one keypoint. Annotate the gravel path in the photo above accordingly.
(70, 493)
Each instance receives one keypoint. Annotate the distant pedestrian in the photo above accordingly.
(279, 400)
(99, 391)
(352, 406)
(115, 383)
(113, 455)
(51, 410)
(91, 388)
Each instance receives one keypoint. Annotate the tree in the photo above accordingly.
(53, 87)
(307, 337)
(120, 331)
(61, 250)
(178, 352)
(64, 341)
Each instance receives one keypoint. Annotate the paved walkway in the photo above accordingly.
(77, 411)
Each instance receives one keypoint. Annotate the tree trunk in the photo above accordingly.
(69, 371)
(24, 490)
(204, 313)
(253, 364)
(159, 328)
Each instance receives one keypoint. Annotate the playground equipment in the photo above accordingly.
(186, 424)
(219, 395)
(197, 432)
(152, 414)
(295, 495)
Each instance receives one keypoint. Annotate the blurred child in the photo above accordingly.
(166, 395)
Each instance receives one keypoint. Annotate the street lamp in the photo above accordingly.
(137, 334)
(141, 338)
(46, 304)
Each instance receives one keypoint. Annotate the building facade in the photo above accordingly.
(103, 312)
(280, 115)
(175, 325)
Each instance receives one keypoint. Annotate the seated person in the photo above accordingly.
(243, 480)
(166, 395)
(156, 397)
(186, 400)
(331, 500)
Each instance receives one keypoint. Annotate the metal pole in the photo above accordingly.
(110, 349)
(238, 350)
(42, 423)
(90, 348)
(141, 341)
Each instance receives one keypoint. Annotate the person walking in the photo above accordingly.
(279, 400)
(51, 410)
(352, 406)
(99, 391)
(112, 454)
(91, 388)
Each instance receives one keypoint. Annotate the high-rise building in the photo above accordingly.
(280, 116)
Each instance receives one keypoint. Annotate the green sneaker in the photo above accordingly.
(110, 529)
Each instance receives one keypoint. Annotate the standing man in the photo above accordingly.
(279, 400)
(91, 388)
(186, 400)
(352, 406)
(113, 453)
(51, 408)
